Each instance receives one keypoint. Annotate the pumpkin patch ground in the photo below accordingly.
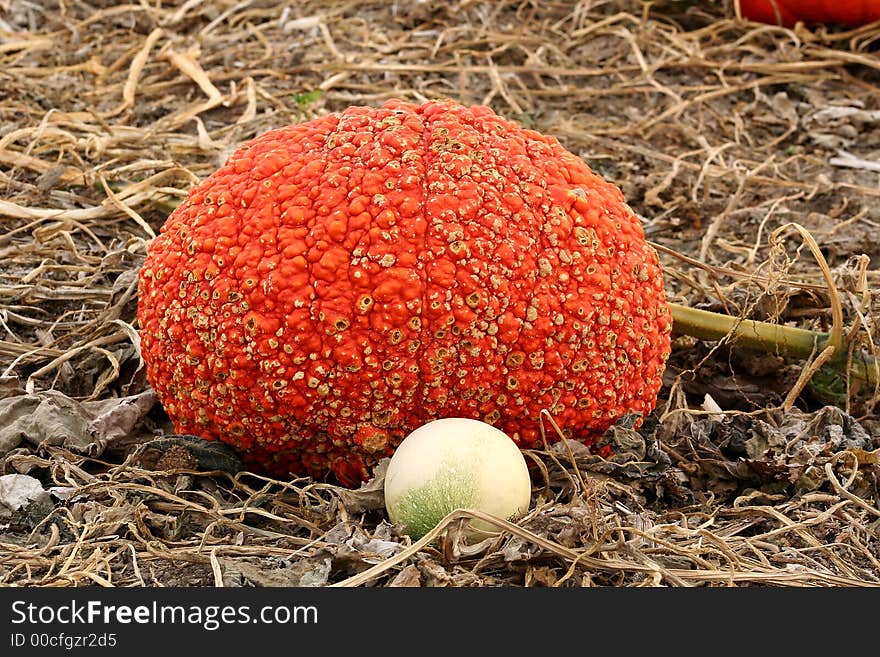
(192, 246)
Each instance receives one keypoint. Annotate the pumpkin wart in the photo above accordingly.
(340, 282)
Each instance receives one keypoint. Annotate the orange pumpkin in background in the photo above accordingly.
(789, 12)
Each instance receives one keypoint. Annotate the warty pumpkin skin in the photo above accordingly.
(340, 282)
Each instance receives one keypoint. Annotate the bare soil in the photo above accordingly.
(751, 152)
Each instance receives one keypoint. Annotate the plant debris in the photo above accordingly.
(722, 134)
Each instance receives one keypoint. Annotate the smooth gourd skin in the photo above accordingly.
(340, 282)
(455, 463)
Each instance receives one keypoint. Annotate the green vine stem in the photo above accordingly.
(769, 338)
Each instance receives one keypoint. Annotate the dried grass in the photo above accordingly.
(718, 131)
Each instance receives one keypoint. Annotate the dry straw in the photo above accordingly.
(719, 133)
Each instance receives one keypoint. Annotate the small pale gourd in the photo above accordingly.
(455, 463)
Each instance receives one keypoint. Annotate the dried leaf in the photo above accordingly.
(270, 572)
(540, 576)
(10, 386)
(120, 418)
(635, 455)
(52, 418)
(746, 451)
(46, 417)
(407, 577)
(371, 494)
(518, 549)
(18, 491)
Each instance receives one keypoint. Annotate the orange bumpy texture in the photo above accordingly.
(338, 283)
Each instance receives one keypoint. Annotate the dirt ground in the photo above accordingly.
(751, 152)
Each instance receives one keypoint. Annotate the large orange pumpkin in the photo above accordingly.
(789, 12)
